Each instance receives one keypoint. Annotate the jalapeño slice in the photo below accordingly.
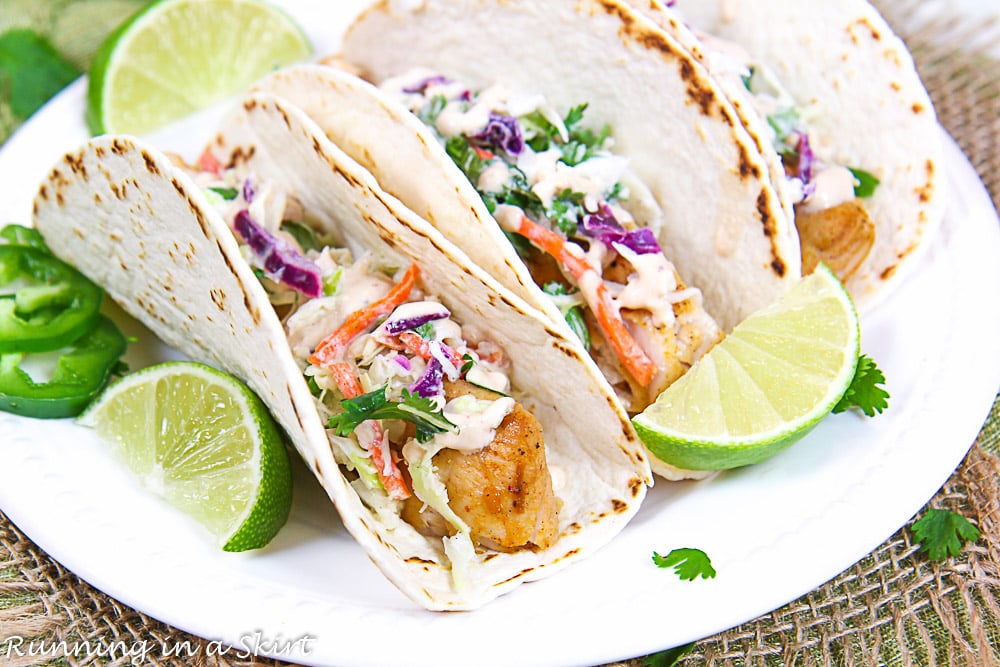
(81, 370)
(45, 304)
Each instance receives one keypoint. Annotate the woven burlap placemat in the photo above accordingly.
(893, 608)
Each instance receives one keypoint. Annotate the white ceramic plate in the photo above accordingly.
(774, 531)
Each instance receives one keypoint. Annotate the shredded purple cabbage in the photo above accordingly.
(280, 260)
(403, 362)
(248, 191)
(422, 85)
(394, 327)
(503, 132)
(807, 159)
(431, 381)
(604, 227)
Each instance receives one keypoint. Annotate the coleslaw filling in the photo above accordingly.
(604, 269)
(402, 361)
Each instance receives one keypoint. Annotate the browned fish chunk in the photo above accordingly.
(502, 491)
(841, 237)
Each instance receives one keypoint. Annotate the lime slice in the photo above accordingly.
(205, 443)
(178, 56)
(762, 388)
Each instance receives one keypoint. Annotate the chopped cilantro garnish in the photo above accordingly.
(31, 71)
(566, 211)
(521, 245)
(668, 658)
(748, 79)
(941, 532)
(573, 315)
(302, 233)
(689, 564)
(785, 122)
(229, 194)
(425, 330)
(462, 154)
(581, 143)
(866, 183)
(865, 392)
(419, 411)
(469, 363)
(429, 114)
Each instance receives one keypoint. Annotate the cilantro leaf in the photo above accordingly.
(31, 71)
(302, 233)
(229, 194)
(429, 114)
(941, 532)
(785, 123)
(689, 564)
(668, 658)
(573, 315)
(566, 211)
(463, 155)
(867, 183)
(416, 409)
(865, 392)
(426, 330)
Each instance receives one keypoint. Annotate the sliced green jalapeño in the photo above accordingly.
(45, 304)
(81, 370)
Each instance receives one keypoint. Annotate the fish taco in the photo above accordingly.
(650, 228)
(839, 99)
(466, 443)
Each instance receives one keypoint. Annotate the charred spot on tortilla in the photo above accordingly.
(568, 554)
(527, 570)
(618, 505)
(119, 146)
(926, 192)
(151, 165)
(748, 170)
(218, 298)
(565, 349)
(420, 561)
(863, 22)
(636, 485)
(778, 265)
(76, 165)
(295, 409)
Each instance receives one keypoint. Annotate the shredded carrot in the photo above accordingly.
(422, 348)
(482, 153)
(388, 471)
(208, 162)
(632, 356)
(331, 349)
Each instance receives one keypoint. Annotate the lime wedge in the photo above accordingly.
(763, 387)
(178, 56)
(205, 443)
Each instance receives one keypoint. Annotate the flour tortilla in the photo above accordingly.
(119, 210)
(867, 109)
(725, 227)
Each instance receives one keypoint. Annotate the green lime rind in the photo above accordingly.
(764, 387)
(155, 68)
(204, 442)
(273, 502)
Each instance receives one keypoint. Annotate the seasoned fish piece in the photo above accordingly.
(502, 491)
(840, 236)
